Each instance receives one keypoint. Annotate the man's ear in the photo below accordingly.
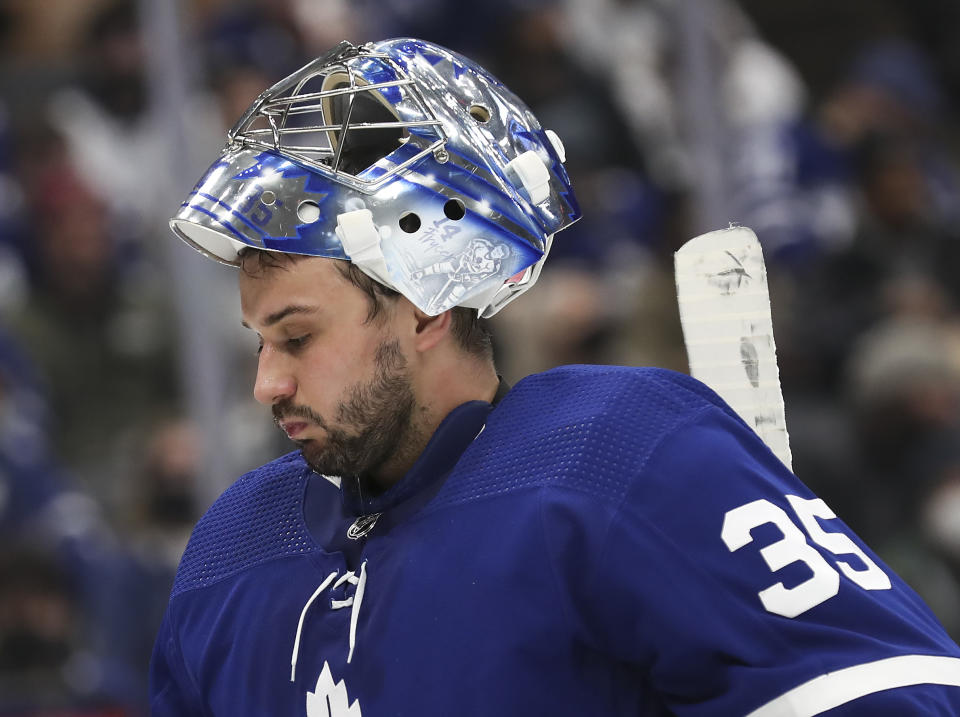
(430, 330)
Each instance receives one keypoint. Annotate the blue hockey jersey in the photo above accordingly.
(604, 541)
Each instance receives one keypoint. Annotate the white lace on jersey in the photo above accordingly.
(354, 602)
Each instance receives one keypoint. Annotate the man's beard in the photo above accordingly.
(374, 421)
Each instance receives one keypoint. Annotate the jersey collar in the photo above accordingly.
(452, 437)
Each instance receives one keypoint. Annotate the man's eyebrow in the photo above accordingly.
(283, 313)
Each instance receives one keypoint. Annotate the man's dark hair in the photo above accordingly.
(470, 331)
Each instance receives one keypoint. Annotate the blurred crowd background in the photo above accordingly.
(125, 379)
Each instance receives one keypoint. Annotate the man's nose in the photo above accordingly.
(274, 382)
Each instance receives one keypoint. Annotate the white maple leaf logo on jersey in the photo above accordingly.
(329, 699)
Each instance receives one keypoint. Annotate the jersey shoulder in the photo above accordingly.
(590, 428)
(256, 519)
(647, 389)
(644, 403)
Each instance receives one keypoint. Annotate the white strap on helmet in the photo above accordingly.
(361, 241)
(557, 144)
(533, 174)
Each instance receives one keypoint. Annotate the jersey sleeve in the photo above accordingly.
(172, 693)
(733, 590)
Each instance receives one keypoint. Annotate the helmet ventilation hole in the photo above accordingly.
(308, 212)
(454, 209)
(268, 198)
(409, 222)
(480, 113)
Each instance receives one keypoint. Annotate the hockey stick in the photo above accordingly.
(725, 313)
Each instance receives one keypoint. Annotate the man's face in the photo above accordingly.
(337, 382)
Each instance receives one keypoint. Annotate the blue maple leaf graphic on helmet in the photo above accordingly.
(269, 163)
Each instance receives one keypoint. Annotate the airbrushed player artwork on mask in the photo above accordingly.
(480, 261)
(594, 540)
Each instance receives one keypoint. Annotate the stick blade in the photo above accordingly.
(724, 306)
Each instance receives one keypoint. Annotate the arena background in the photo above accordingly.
(125, 378)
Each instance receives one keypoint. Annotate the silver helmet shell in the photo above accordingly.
(401, 156)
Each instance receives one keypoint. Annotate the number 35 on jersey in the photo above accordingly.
(793, 547)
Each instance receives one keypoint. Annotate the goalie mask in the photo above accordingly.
(402, 157)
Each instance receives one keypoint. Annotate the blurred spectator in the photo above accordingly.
(899, 255)
(891, 91)
(905, 397)
(599, 264)
(56, 614)
(248, 46)
(97, 330)
(43, 667)
(111, 132)
(904, 385)
(167, 507)
(159, 525)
